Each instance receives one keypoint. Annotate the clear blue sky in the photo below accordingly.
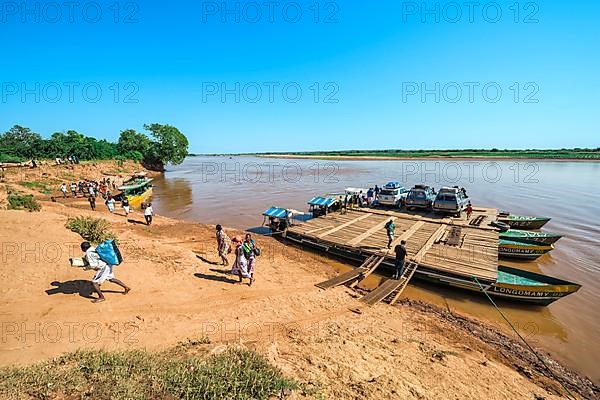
(374, 58)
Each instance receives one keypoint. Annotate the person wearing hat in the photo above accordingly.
(223, 244)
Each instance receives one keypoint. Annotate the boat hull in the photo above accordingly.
(529, 237)
(528, 251)
(136, 201)
(523, 222)
(547, 291)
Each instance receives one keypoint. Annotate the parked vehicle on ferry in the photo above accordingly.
(451, 200)
(420, 196)
(393, 194)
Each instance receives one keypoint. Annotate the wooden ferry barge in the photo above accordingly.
(448, 251)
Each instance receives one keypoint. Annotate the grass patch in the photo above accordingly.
(7, 158)
(40, 187)
(234, 374)
(94, 230)
(20, 201)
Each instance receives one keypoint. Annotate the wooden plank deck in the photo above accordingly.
(471, 251)
(390, 287)
(366, 269)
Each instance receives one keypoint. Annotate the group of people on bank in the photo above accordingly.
(245, 252)
(90, 189)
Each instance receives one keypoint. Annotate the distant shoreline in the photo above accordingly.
(426, 158)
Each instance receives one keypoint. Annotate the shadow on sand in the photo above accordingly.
(215, 278)
(207, 260)
(133, 221)
(80, 287)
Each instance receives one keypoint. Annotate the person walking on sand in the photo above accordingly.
(250, 251)
(240, 266)
(92, 201)
(400, 256)
(148, 214)
(110, 203)
(469, 210)
(73, 189)
(63, 189)
(390, 228)
(223, 244)
(125, 205)
(104, 271)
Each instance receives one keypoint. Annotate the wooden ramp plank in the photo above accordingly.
(369, 269)
(407, 275)
(421, 253)
(369, 232)
(350, 275)
(408, 233)
(344, 225)
(391, 286)
(381, 292)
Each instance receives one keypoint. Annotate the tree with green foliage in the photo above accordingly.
(20, 142)
(169, 146)
(130, 141)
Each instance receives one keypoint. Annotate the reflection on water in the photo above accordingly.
(234, 192)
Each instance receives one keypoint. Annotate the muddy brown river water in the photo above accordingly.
(235, 191)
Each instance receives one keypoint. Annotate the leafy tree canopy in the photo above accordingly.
(169, 145)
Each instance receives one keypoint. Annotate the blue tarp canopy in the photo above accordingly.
(276, 212)
(393, 185)
(321, 201)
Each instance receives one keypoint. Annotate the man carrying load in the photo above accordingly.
(104, 271)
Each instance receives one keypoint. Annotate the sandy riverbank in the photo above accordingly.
(414, 350)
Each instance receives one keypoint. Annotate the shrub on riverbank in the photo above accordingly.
(94, 230)
(20, 201)
(234, 374)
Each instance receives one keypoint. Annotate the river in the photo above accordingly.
(234, 191)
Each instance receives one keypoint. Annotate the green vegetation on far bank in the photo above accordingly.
(576, 153)
(167, 145)
(137, 374)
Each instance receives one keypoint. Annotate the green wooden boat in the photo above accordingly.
(530, 237)
(523, 221)
(529, 251)
(524, 286)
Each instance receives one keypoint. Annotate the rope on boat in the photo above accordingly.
(524, 341)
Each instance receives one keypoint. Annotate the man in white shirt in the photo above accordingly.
(148, 213)
(104, 271)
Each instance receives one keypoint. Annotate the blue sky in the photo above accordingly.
(389, 74)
